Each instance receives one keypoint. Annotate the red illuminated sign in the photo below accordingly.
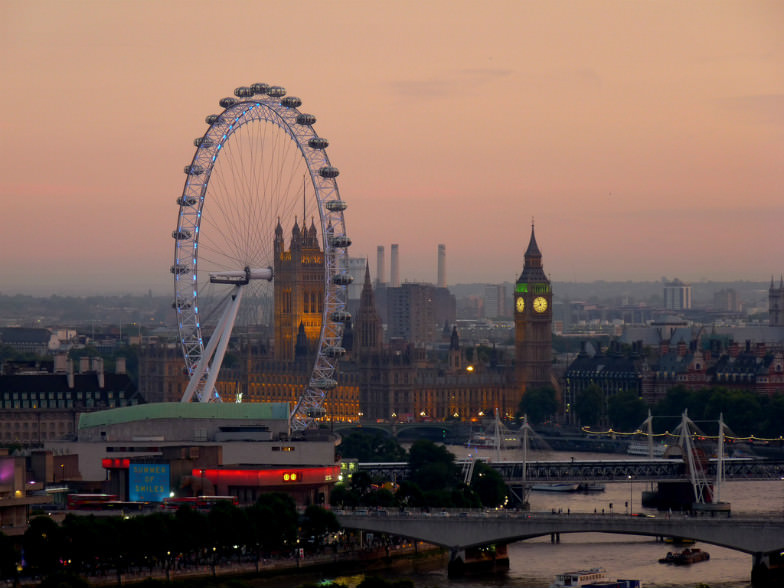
(116, 463)
(268, 477)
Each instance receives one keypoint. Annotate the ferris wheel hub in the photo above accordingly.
(239, 277)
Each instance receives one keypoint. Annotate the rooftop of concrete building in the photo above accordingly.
(252, 411)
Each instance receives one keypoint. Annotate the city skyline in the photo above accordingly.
(644, 140)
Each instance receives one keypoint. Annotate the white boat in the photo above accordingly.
(641, 448)
(580, 578)
(485, 441)
(560, 487)
(592, 578)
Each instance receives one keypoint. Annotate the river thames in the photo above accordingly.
(533, 563)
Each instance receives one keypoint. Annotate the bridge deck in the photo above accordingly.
(653, 470)
(458, 530)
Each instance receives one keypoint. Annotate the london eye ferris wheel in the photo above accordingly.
(259, 166)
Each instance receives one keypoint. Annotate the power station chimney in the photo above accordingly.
(442, 265)
(395, 279)
(380, 269)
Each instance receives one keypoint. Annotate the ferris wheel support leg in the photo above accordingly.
(228, 325)
(209, 350)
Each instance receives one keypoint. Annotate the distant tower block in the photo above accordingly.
(380, 269)
(776, 303)
(442, 266)
(395, 278)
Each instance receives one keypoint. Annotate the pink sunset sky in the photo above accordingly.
(646, 139)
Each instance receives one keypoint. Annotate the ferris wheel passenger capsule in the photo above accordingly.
(259, 88)
(342, 279)
(339, 241)
(291, 102)
(203, 142)
(329, 172)
(334, 351)
(318, 143)
(227, 102)
(212, 119)
(335, 205)
(276, 92)
(324, 383)
(194, 170)
(340, 316)
(181, 304)
(187, 200)
(179, 269)
(243, 92)
(181, 235)
(306, 119)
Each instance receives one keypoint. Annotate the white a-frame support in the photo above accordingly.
(203, 378)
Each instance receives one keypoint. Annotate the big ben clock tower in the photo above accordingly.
(533, 322)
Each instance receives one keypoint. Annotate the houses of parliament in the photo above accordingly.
(379, 378)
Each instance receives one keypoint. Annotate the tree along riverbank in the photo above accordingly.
(269, 573)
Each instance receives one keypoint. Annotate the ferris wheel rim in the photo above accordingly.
(299, 127)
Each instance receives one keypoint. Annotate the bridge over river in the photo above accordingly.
(763, 538)
(653, 470)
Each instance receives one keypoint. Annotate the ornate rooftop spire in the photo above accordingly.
(533, 271)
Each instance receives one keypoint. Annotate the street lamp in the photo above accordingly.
(630, 494)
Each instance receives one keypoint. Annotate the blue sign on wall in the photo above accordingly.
(148, 482)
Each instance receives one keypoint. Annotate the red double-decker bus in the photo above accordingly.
(90, 501)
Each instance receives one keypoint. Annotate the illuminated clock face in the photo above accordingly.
(540, 304)
(520, 304)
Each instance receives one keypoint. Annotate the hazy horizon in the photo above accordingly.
(559, 287)
(644, 139)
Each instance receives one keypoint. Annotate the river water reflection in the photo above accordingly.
(534, 562)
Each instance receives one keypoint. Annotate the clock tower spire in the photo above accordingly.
(533, 317)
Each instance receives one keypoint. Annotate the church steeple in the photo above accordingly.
(368, 331)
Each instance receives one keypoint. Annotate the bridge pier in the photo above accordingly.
(767, 571)
(555, 537)
(456, 566)
(480, 559)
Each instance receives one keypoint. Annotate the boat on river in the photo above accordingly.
(638, 448)
(559, 487)
(686, 557)
(591, 578)
(484, 441)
